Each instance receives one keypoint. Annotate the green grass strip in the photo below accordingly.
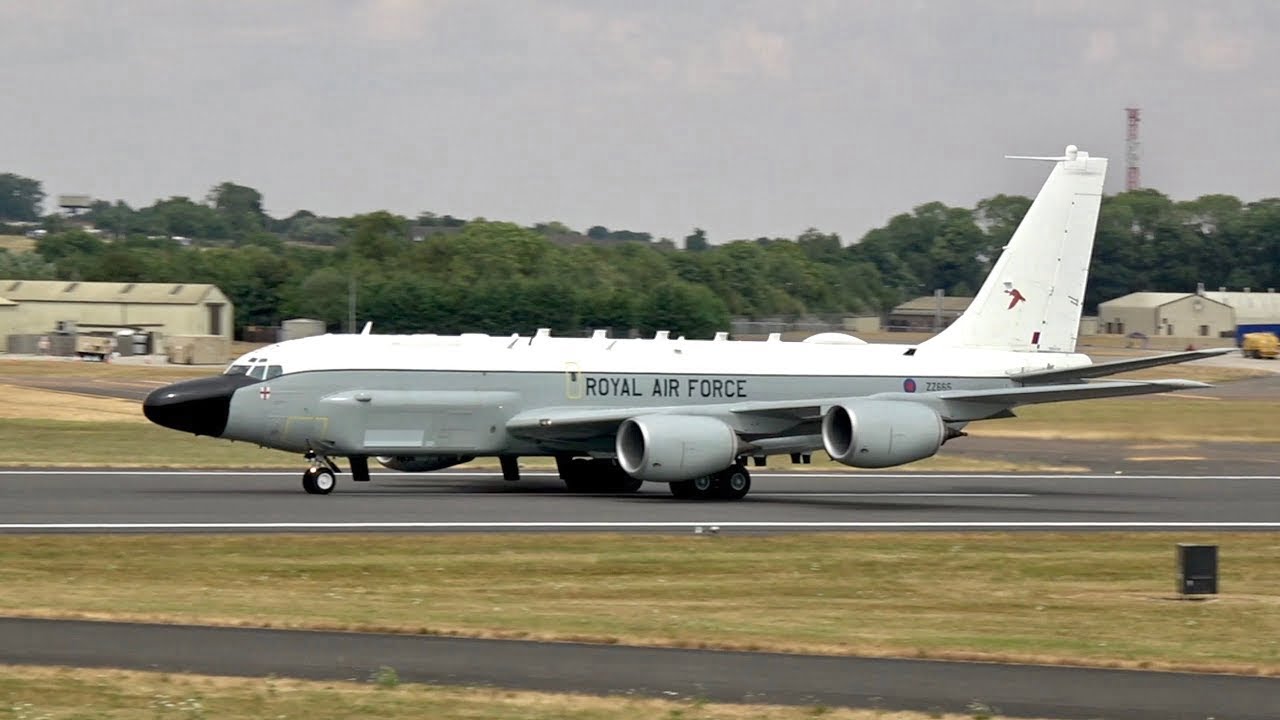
(1100, 599)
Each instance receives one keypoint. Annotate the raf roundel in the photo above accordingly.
(909, 385)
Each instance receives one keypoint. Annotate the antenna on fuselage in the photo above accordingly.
(368, 328)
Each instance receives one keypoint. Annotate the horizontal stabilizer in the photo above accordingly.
(1039, 377)
(1010, 397)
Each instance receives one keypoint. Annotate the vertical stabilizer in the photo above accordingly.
(1032, 299)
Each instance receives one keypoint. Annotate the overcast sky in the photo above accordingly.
(745, 118)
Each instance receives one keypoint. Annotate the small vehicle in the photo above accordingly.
(93, 347)
(1260, 345)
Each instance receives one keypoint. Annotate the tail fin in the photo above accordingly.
(1032, 299)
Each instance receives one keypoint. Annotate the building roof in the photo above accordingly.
(925, 305)
(1250, 307)
(1132, 300)
(106, 292)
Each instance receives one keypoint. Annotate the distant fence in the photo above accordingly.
(811, 325)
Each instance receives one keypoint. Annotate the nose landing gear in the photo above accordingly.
(321, 477)
(318, 480)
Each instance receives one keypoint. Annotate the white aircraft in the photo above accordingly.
(616, 413)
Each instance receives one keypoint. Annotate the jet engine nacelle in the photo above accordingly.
(671, 448)
(881, 433)
(421, 463)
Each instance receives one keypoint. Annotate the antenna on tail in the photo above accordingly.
(1072, 153)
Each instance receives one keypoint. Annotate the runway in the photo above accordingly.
(125, 500)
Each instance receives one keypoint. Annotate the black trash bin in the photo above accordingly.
(1197, 569)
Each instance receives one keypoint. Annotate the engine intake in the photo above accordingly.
(421, 463)
(671, 448)
(881, 433)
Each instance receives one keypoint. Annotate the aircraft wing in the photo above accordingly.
(573, 423)
(789, 416)
(568, 423)
(1038, 377)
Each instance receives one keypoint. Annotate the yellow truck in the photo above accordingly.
(1260, 345)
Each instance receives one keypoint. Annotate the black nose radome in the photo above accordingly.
(195, 406)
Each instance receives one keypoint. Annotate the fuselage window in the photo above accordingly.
(274, 371)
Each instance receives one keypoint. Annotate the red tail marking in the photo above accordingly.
(1015, 297)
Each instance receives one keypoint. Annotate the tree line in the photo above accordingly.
(434, 273)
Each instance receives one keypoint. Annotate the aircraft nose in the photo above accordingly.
(196, 406)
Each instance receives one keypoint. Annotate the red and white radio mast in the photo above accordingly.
(1132, 151)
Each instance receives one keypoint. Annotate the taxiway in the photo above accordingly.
(928, 686)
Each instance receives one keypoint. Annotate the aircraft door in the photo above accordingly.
(573, 381)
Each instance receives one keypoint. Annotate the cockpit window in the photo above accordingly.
(256, 368)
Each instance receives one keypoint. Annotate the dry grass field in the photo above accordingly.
(1161, 418)
(35, 404)
(17, 243)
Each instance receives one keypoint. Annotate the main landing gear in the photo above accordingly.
(322, 477)
(732, 483)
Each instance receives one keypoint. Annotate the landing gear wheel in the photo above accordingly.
(699, 488)
(318, 481)
(734, 483)
(703, 487)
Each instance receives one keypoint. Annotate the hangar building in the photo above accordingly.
(37, 307)
(1198, 314)
(928, 313)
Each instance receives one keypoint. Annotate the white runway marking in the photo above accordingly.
(657, 525)
(491, 475)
